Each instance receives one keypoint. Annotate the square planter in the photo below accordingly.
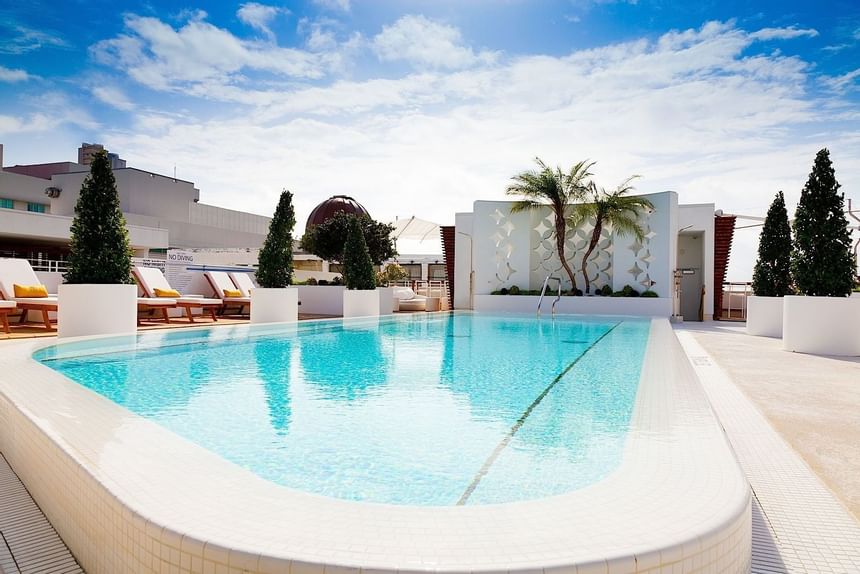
(764, 316)
(275, 305)
(360, 303)
(96, 309)
(821, 325)
(386, 300)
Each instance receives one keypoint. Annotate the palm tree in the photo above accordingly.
(559, 190)
(613, 208)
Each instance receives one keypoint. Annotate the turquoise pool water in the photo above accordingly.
(421, 409)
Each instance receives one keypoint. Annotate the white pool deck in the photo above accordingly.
(798, 523)
(129, 496)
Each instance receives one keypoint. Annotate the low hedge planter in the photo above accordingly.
(360, 303)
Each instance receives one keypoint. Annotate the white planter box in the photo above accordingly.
(764, 316)
(96, 309)
(322, 299)
(358, 303)
(630, 306)
(386, 300)
(822, 325)
(274, 305)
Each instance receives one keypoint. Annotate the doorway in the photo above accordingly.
(691, 257)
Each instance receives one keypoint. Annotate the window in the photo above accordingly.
(437, 272)
(335, 268)
(414, 270)
(36, 207)
(7, 203)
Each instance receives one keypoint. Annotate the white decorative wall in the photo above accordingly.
(519, 249)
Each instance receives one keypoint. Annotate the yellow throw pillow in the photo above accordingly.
(30, 291)
(232, 293)
(166, 292)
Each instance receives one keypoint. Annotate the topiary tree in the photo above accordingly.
(99, 247)
(357, 266)
(275, 262)
(772, 273)
(821, 261)
(327, 240)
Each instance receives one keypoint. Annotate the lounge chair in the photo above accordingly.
(151, 279)
(19, 272)
(407, 300)
(243, 282)
(227, 291)
(6, 307)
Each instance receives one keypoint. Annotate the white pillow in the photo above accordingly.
(403, 293)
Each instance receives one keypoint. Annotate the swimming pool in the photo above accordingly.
(128, 494)
(419, 410)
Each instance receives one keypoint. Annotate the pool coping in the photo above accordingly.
(128, 495)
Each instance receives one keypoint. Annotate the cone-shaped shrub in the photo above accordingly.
(821, 261)
(99, 247)
(772, 273)
(357, 266)
(275, 262)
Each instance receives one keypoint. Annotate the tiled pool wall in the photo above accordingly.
(107, 536)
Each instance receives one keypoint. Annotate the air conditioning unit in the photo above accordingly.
(53, 192)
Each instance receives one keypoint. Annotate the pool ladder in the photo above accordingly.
(543, 291)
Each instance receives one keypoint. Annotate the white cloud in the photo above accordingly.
(341, 5)
(113, 96)
(259, 17)
(784, 33)
(12, 75)
(161, 57)
(426, 43)
(19, 39)
(844, 82)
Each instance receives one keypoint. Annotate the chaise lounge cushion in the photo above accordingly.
(30, 291)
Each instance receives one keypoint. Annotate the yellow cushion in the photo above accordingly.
(166, 292)
(30, 291)
(232, 293)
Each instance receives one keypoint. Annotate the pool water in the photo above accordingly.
(427, 410)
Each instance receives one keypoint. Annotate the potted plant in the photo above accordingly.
(274, 301)
(824, 319)
(772, 273)
(98, 296)
(360, 298)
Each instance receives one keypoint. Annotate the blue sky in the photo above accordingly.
(423, 107)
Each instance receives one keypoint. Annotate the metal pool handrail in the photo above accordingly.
(543, 291)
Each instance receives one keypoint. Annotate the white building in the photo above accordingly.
(37, 205)
(496, 249)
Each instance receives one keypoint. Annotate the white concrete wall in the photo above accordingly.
(629, 306)
(700, 217)
(23, 188)
(462, 259)
(43, 226)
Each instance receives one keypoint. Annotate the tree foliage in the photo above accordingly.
(821, 261)
(99, 248)
(328, 240)
(613, 208)
(357, 265)
(558, 189)
(772, 272)
(275, 262)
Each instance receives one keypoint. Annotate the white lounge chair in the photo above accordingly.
(243, 282)
(221, 284)
(19, 272)
(407, 300)
(150, 279)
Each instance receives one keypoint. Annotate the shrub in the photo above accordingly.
(821, 261)
(357, 266)
(514, 290)
(503, 291)
(626, 291)
(99, 247)
(391, 274)
(338, 280)
(649, 293)
(605, 291)
(772, 273)
(328, 240)
(323, 282)
(311, 281)
(276, 256)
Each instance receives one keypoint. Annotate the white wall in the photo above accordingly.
(24, 224)
(700, 217)
(462, 259)
(23, 188)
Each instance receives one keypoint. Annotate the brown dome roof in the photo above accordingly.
(335, 204)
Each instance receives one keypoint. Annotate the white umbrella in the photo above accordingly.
(415, 229)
